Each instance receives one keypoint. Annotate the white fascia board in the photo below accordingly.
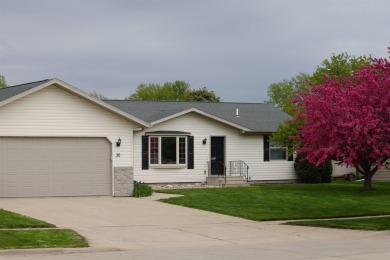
(200, 112)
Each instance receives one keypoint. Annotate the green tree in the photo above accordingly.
(342, 65)
(3, 82)
(281, 94)
(339, 66)
(202, 94)
(170, 91)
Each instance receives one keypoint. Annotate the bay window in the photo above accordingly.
(168, 150)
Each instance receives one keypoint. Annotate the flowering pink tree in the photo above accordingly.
(348, 120)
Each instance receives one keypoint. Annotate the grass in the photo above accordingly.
(289, 201)
(379, 223)
(50, 238)
(13, 220)
(35, 237)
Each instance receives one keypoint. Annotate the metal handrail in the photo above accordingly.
(239, 167)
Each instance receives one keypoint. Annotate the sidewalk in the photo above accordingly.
(131, 228)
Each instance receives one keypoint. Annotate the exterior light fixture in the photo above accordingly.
(204, 141)
(118, 143)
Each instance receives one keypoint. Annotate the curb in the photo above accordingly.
(53, 251)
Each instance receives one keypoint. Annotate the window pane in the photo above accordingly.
(182, 150)
(278, 153)
(153, 150)
(168, 150)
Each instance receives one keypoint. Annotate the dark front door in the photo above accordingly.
(217, 155)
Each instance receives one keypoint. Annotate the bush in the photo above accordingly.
(309, 173)
(141, 190)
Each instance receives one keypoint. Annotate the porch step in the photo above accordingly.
(235, 181)
(231, 181)
(236, 184)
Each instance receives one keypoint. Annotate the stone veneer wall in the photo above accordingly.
(123, 181)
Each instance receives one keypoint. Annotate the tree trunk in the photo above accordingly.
(367, 181)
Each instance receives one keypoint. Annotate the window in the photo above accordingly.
(277, 152)
(274, 151)
(168, 150)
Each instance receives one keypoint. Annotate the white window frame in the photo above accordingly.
(168, 165)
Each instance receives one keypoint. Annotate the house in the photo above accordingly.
(56, 140)
(383, 174)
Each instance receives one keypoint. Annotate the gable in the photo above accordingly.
(54, 109)
(14, 93)
(193, 122)
(9, 92)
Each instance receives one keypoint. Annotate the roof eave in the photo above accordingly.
(257, 132)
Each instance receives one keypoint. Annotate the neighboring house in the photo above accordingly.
(56, 140)
(383, 174)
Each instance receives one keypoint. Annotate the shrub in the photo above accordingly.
(141, 190)
(309, 173)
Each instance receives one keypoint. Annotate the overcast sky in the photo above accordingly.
(236, 48)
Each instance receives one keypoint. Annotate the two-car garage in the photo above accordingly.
(56, 140)
(47, 166)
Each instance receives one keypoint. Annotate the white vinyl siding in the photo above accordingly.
(383, 174)
(54, 112)
(248, 148)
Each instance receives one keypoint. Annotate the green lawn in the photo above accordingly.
(13, 220)
(51, 238)
(289, 201)
(34, 238)
(377, 223)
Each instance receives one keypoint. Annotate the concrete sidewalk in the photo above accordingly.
(131, 228)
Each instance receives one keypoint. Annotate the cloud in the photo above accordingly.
(236, 48)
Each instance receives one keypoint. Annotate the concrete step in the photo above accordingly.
(235, 181)
(236, 184)
(231, 181)
(234, 178)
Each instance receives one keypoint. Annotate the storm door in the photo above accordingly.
(217, 155)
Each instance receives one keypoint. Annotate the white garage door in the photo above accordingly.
(33, 167)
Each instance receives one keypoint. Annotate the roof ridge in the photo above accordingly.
(181, 101)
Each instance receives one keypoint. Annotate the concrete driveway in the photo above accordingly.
(131, 228)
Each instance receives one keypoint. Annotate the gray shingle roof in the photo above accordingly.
(8, 92)
(254, 116)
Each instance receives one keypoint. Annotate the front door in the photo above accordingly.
(217, 155)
